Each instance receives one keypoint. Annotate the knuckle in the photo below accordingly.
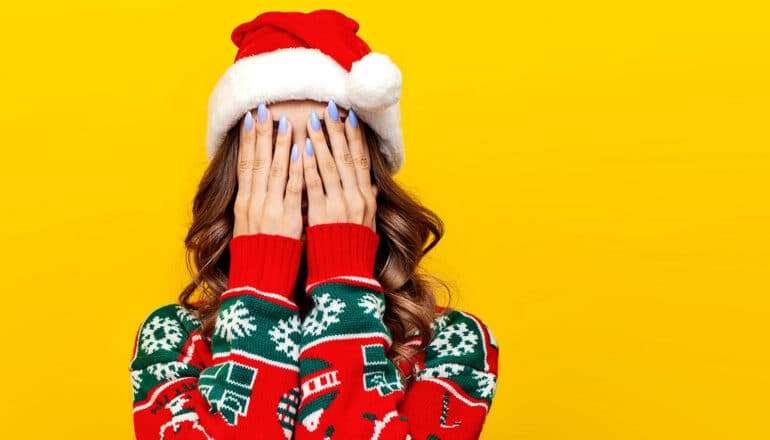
(347, 158)
(329, 165)
(294, 187)
(244, 165)
(276, 170)
(258, 165)
(312, 180)
(362, 161)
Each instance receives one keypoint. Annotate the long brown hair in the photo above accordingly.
(403, 224)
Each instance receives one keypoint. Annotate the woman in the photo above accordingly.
(313, 322)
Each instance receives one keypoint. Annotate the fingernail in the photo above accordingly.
(294, 153)
(308, 147)
(314, 122)
(352, 118)
(333, 112)
(248, 121)
(282, 124)
(262, 112)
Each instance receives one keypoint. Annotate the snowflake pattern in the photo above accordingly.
(281, 334)
(455, 340)
(187, 317)
(166, 371)
(372, 305)
(325, 313)
(486, 383)
(161, 333)
(439, 322)
(136, 380)
(443, 370)
(234, 322)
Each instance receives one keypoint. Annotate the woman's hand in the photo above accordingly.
(260, 205)
(350, 196)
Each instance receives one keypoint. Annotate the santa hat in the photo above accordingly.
(316, 55)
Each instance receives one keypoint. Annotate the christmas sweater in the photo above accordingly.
(266, 374)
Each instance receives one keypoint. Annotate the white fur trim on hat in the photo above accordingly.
(372, 89)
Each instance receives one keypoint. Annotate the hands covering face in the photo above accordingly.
(270, 184)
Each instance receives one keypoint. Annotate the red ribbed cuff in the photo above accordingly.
(264, 261)
(340, 249)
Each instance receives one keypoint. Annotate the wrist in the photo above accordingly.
(341, 251)
(266, 262)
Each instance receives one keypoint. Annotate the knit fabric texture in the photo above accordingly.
(266, 374)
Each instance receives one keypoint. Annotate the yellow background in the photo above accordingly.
(601, 167)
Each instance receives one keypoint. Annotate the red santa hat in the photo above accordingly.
(315, 55)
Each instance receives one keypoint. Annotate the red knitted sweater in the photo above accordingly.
(266, 374)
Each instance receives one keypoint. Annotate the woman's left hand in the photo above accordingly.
(350, 196)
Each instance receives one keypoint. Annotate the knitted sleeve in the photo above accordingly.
(246, 384)
(349, 388)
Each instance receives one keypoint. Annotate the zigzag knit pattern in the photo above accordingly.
(264, 374)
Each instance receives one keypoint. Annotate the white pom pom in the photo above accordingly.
(374, 82)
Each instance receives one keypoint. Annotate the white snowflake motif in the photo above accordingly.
(166, 371)
(440, 322)
(443, 370)
(186, 317)
(455, 340)
(325, 313)
(486, 383)
(234, 322)
(136, 380)
(161, 333)
(372, 305)
(281, 335)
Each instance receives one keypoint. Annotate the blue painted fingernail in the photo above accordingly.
(314, 122)
(308, 147)
(282, 124)
(248, 122)
(333, 112)
(352, 118)
(262, 112)
(294, 153)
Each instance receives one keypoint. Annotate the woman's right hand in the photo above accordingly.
(260, 204)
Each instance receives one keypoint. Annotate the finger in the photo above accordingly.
(360, 154)
(323, 157)
(276, 183)
(293, 200)
(336, 129)
(263, 154)
(245, 156)
(315, 194)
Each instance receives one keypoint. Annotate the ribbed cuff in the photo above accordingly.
(340, 249)
(264, 261)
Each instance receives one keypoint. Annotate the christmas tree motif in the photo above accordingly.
(455, 340)
(227, 387)
(234, 322)
(166, 371)
(380, 425)
(180, 416)
(325, 313)
(161, 333)
(486, 383)
(286, 335)
(186, 317)
(379, 371)
(318, 389)
(372, 305)
(287, 411)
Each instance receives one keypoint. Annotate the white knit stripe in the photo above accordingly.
(191, 348)
(455, 392)
(483, 338)
(362, 280)
(267, 295)
(257, 358)
(158, 390)
(344, 338)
